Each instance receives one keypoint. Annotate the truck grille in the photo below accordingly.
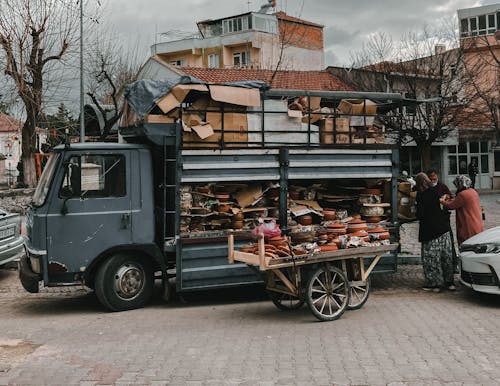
(6, 233)
(479, 278)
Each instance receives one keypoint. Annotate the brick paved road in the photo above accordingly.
(401, 336)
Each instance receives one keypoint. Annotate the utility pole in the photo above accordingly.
(82, 120)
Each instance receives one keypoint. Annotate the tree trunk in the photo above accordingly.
(28, 159)
(425, 155)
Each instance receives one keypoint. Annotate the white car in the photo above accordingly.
(480, 261)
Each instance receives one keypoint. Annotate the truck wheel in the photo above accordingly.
(124, 282)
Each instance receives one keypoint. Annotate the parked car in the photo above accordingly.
(11, 240)
(480, 261)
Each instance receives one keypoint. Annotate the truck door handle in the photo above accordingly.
(125, 220)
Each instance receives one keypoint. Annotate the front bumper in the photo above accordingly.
(30, 269)
(479, 272)
(12, 250)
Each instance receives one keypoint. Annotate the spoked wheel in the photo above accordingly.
(328, 293)
(285, 302)
(283, 297)
(358, 294)
(358, 290)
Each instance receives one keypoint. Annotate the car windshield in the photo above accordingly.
(44, 184)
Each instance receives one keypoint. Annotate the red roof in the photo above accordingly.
(9, 124)
(283, 16)
(291, 80)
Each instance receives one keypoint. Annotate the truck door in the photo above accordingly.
(90, 213)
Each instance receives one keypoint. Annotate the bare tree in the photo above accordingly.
(110, 69)
(421, 68)
(34, 36)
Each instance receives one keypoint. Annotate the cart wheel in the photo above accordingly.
(285, 302)
(358, 294)
(328, 293)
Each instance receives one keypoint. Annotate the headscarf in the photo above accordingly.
(423, 182)
(462, 182)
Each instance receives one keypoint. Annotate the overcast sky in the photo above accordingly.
(347, 23)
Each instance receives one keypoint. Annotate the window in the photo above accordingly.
(410, 109)
(473, 26)
(491, 23)
(241, 58)
(213, 61)
(459, 157)
(234, 25)
(482, 24)
(97, 176)
(178, 62)
(464, 27)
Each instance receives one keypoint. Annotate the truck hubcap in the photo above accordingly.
(129, 281)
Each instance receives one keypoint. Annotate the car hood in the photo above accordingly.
(488, 236)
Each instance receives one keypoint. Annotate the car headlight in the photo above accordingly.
(481, 248)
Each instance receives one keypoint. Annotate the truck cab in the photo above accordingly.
(91, 222)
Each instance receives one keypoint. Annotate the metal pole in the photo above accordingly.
(82, 121)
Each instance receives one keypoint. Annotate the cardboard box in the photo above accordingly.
(327, 139)
(340, 124)
(361, 120)
(235, 127)
(355, 107)
(157, 118)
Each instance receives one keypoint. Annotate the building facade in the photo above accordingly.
(252, 40)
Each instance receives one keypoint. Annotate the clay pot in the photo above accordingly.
(237, 224)
(372, 219)
(376, 192)
(222, 197)
(224, 207)
(329, 214)
(356, 225)
(379, 233)
(238, 216)
(294, 195)
(328, 247)
(305, 219)
(203, 189)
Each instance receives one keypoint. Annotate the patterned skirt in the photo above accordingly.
(437, 261)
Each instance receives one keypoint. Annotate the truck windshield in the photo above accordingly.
(44, 184)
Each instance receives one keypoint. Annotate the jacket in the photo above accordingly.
(434, 221)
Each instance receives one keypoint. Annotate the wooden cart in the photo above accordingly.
(334, 281)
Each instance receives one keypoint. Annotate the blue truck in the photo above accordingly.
(110, 216)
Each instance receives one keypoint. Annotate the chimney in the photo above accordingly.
(439, 49)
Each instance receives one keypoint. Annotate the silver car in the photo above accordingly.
(11, 240)
(480, 261)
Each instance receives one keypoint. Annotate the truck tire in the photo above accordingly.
(124, 282)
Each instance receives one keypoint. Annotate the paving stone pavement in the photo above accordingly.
(402, 336)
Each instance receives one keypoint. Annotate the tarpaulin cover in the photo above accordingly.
(143, 94)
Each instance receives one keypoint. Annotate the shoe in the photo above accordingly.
(451, 288)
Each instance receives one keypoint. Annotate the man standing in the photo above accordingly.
(473, 172)
(441, 188)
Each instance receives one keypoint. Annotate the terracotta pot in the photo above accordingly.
(372, 219)
(222, 197)
(328, 247)
(305, 219)
(376, 192)
(203, 189)
(238, 216)
(356, 225)
(224, 207)
(294, 195)
(329, 214)
(238, 224)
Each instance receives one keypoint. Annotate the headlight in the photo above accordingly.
(481, 248)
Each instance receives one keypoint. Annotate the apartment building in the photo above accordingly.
(255, 40)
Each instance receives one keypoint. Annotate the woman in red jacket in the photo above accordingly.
(468, 209)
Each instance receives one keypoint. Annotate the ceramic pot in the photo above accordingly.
(237, 224)
(305, 219)
(238, 216)
(329, 214)
(356, 225)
